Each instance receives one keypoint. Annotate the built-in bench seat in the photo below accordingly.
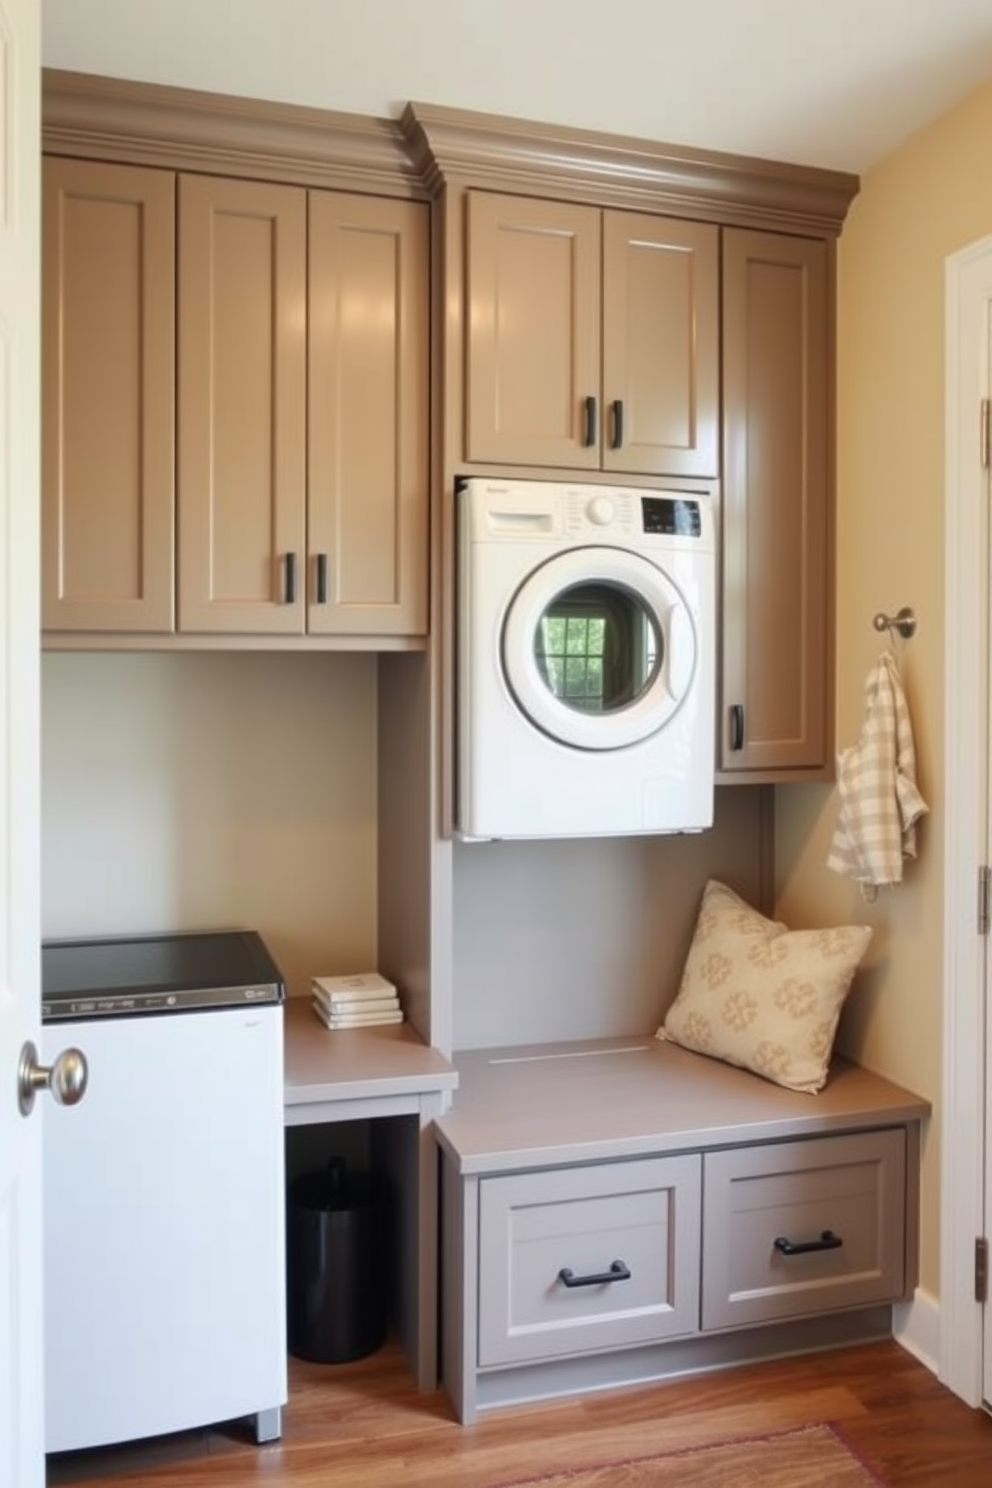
(624, 1210)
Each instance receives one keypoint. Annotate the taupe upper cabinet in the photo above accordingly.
(303, 411)
(108, 326)
(776, 523)
(592, 338)
(289, 330)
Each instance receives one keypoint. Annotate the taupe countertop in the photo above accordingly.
(627, 1097)
(357, 1064)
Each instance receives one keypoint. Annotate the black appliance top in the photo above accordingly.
(121, 976)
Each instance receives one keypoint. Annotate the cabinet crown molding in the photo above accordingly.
(102, 118)
(429, 146)
(501, 153)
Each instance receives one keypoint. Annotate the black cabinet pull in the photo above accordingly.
(827, 1241)
(618, 423)
(737, 726)
(617, 1272)
(290, 578)
(321, 578)
(589, 433)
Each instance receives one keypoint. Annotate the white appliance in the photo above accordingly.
(586, 660)
(164, 1265)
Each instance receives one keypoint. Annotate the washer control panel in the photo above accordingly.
(672, 516)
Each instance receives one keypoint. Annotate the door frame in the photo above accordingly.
(968, 316)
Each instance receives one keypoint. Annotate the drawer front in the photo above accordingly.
(641, 1216)
(849, 1189)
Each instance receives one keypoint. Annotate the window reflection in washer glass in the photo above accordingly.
(597, 647)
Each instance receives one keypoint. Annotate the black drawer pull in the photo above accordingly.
(737, 726)
(618, 423)
(827, 1241)
(589, 434)
(321, 578)
(290, 591)
(617, 1272)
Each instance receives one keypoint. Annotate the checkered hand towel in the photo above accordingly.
(876, 779)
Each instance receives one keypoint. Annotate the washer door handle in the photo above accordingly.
(681, 652)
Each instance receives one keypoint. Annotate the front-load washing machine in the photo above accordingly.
(586, 659)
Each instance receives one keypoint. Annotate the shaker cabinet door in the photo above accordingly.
(108, 420)
(592, 338)
(533, 332)
(792, 1229)
(573, 1260)
(661, 345)
(777, 633)
(242, 406)
(368, 388)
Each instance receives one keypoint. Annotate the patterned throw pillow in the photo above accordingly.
(761, 996)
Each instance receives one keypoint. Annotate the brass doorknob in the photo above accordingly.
(66, 1078)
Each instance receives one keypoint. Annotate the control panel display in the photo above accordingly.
(671, 516)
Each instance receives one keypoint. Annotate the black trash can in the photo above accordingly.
(336, 1285)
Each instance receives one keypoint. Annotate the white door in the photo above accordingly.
(965, 1325)
(21, 1424)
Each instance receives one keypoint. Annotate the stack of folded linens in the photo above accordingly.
(365, 1000)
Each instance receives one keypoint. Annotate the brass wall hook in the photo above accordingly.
(904, 621)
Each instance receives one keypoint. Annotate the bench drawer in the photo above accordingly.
(642, 1214)
(797, 1228)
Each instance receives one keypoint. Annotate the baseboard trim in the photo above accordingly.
(699, 1353)
(916, 1325)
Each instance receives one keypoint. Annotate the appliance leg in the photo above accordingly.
(268, 1425)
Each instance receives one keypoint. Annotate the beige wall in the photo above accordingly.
(926, 201)
(208, 789)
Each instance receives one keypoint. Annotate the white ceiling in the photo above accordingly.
(837, 83)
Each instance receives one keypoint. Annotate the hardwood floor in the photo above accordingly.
(364, 1425)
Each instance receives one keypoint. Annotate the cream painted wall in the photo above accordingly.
(200, 790)
(656, 69)
(924, 202)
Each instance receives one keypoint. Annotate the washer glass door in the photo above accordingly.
(599, 648)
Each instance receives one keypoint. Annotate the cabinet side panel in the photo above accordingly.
(109, 329)
(404, 817)
(460, 1289)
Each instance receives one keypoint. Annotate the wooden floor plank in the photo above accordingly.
(364, 1425)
